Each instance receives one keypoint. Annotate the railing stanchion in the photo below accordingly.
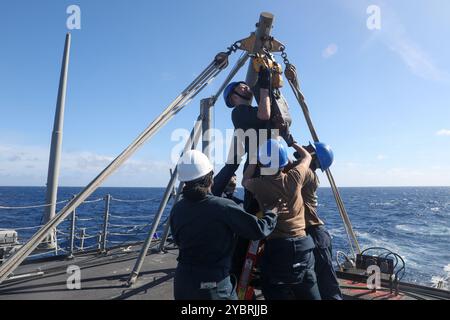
(82, 236)
(166, 232)
(105, 223)
(99, 242)
(72, 232)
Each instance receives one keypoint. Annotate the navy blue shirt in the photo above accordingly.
(205, 230)
(244, 117)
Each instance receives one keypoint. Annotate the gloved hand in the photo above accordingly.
(290, 141)
(264, 78)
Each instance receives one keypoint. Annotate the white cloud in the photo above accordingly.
(330, 51)
(394, 36)
(416, 59)
(28, 165)
(381, 157)
(443, 132)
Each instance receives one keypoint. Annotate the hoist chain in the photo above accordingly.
(233, 48)
(291, 74)
(284, 55)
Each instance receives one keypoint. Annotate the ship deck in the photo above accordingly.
(104, 277)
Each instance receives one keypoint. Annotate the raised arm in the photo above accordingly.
(304, 155)
(264, 105)
(264, 95)
(249, 226)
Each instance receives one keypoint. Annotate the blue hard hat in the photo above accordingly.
(274, 154)
(324, 154)
(228, 90)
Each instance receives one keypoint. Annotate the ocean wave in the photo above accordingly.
(442, 282)
(447, 269)
(383, 204)
(424, 230)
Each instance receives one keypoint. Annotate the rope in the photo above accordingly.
(131, 201)
(124, 243)
(63, 233)
(91, 228)
(86, 237)
(130, 217)
(128, 226)
(93, 201)
(32, 206)
(126, 234)
(85, 219)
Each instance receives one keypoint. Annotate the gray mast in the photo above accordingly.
(264, 28)
(55, 150)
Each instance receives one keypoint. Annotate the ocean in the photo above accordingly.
(412, 221)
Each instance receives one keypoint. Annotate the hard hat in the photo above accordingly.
(324, 155)
(273, 155)
(193, 165)
(228, 91)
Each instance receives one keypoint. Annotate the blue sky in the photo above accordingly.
(379, 97)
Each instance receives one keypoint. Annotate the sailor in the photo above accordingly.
(287, 266)
(238, 96)
(203, 227)
(253, 125)
(322, 158)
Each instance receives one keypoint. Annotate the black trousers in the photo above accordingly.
(326, 275)
(250, 205)
(288, 270)
(202, 283)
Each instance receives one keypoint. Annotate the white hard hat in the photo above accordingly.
(193, 165)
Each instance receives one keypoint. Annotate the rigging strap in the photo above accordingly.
(219, 63)
(291, 75)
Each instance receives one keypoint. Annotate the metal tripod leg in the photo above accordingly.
(293, 81)
(166, 232)
(193, 89)
(191, 143)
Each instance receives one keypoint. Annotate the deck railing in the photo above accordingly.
(81, 232)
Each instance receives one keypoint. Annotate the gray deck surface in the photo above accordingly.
(103, 277)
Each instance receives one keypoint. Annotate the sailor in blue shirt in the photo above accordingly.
(204, 228)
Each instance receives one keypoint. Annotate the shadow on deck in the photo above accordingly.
(103, 277)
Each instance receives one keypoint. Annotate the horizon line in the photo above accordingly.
(240, 187)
